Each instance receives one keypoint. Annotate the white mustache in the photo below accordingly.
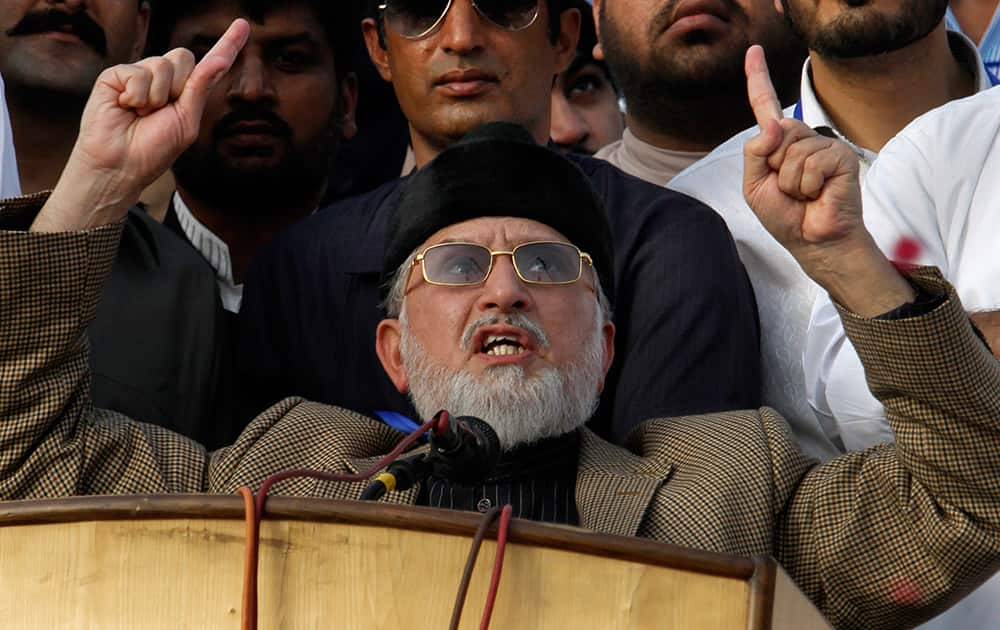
(515, 319)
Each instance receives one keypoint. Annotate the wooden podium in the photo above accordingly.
(177, 562)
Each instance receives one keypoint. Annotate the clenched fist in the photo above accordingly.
(139, 118)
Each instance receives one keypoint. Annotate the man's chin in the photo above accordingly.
(461, 118)
(55, 66)
(248, 167)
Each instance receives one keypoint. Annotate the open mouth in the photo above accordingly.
(498, 346)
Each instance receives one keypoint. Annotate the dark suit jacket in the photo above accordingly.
(923, 514)
(156, 340)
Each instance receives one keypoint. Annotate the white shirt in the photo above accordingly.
(785, 295)
(10, 185)
(215, 251)
(936, 183)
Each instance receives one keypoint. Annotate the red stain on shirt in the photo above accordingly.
(904, 252)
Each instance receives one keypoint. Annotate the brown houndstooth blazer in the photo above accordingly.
(851, 532)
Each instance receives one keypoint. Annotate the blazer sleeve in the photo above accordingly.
(52, 440)
(890, 536)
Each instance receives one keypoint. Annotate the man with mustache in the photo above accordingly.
(679, 64)
(688, 330)
(270, 129)
(50, 56)
(509, 293)
(585, 111)
(873, 67)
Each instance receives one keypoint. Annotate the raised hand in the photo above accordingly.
(805, 190)
(138, 120)
(804, 187)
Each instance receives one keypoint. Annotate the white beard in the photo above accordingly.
(521, 409)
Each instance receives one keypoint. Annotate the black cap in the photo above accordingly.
(497, 170)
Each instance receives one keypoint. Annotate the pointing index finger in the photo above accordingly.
(763, 99)
(223, 54)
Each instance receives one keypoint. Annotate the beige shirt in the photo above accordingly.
(645, 161)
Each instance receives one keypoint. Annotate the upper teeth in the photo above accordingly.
(501, 345)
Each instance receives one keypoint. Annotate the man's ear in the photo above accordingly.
(569, 36)
(141, 31)
(378, 54)
(348, 106)
(387, 340)
(608, 330)
(598, 52)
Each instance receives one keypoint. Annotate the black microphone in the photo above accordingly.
(465, 449)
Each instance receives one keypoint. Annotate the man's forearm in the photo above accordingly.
(988, 323)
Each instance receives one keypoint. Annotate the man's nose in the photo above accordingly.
(504, 291)
(462, 30)
(568, 127)
(250, 80)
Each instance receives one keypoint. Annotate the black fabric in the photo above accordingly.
(922, 304)
(687, 338)
(375, 155)
(158, 351)
(497, 169)
(538, 481)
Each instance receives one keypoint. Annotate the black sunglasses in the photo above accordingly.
(414, 19)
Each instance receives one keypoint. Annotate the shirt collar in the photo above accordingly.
(816, 117)
(214, 250)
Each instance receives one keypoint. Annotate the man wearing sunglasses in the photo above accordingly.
(688, 340)
(507, 318)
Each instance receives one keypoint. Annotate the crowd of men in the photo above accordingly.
(603, 227)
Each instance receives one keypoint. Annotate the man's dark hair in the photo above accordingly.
(339, 19)
(556, 8)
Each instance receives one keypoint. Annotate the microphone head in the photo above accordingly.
(469, 453)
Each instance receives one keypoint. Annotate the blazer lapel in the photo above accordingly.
(614, 487)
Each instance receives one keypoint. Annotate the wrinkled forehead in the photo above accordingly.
(495, 232)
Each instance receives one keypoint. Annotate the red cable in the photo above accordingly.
(491, 596)
(248, 619)
(362, 476)
(254, 511)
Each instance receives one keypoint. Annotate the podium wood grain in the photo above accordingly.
(121, 563)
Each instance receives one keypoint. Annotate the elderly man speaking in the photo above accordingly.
(499, 290)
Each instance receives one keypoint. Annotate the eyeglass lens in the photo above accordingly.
(415, 18)
(465, 263)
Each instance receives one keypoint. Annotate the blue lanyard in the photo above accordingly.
(398, 421)
(994, 81)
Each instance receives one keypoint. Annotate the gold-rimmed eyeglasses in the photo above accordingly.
(466, 264)
(416, 19)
